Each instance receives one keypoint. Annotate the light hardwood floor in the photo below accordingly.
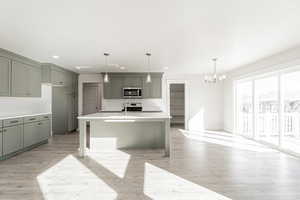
(206, 167)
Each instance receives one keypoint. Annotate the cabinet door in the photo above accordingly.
(133, 81)
(156, 87)
(35, 80)
(57, 77)
(1, 130)
(12, 139)
(147, 87)
(20, 79)
(44, 130)
(59, 110)
(31, 133)
(26, 80)
(107, 90)
(116, 87)
(153, 89)
(4, 76)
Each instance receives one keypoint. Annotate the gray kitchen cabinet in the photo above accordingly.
(57, 77)
(4, 76)
(36, 132)
(1, 135)
(60, 110)
(44, 130)
(152, 89)
(31, 133)
(132, 81)
(12, 139)
(113, 89)
(35, 82)
(117, 81)
(26, 80)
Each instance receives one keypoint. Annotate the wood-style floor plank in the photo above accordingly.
(201, 167)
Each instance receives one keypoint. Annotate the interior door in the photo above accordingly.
(91, 98)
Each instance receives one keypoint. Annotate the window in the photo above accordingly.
(291, 111)
(268, 109)
(266, 100)
(244, 108)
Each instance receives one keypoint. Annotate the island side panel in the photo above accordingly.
(126, 135)
(167, 137)
(82, 137)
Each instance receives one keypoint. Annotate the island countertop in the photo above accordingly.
(125, 116)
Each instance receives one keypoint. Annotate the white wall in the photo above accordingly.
(204, 103)
(280, 61)
(16, 105)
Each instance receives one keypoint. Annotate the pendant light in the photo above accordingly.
(148, 79)
(106, 78)
(214, 78)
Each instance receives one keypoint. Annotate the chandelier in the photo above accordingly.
(214, 78)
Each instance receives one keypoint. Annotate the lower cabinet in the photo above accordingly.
(12, 139)
(36, 132)
(31, 132)
(1, 142)
(44, 130)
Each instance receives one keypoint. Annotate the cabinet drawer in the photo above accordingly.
(31, 119)
(1, 123)
(12, 122)
(44, 117)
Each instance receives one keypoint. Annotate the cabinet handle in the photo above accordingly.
(4, 130)
(40, 123)
(0, 131)
(32, 119)
(12, 122)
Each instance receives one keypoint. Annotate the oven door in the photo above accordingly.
(132, 92)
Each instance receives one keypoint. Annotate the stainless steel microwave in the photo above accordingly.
(132, 93)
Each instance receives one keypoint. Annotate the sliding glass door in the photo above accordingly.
(266, 109)
(244, 108)
(291, 112)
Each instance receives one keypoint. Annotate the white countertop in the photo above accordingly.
(18, 115)
(127, 116)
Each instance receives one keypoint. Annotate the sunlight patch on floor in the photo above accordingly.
(161, 184)
(115, 161)
(227, 140)
(70, 179)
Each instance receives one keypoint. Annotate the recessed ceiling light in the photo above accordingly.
(82, 67)
(122, 67)
(166, 68)
(55, 57)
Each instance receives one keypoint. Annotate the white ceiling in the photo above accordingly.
(181, 35)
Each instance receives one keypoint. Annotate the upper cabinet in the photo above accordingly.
(26, 80)
(19, 76)
(113, 89)
(118, 81)
(4, 76)
(57, 76)
(154, 88)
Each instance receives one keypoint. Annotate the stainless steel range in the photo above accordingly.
(132, 107)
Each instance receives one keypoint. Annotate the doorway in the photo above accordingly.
(91, 98)
(177, 104)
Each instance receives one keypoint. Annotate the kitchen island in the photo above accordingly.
(125, 130)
